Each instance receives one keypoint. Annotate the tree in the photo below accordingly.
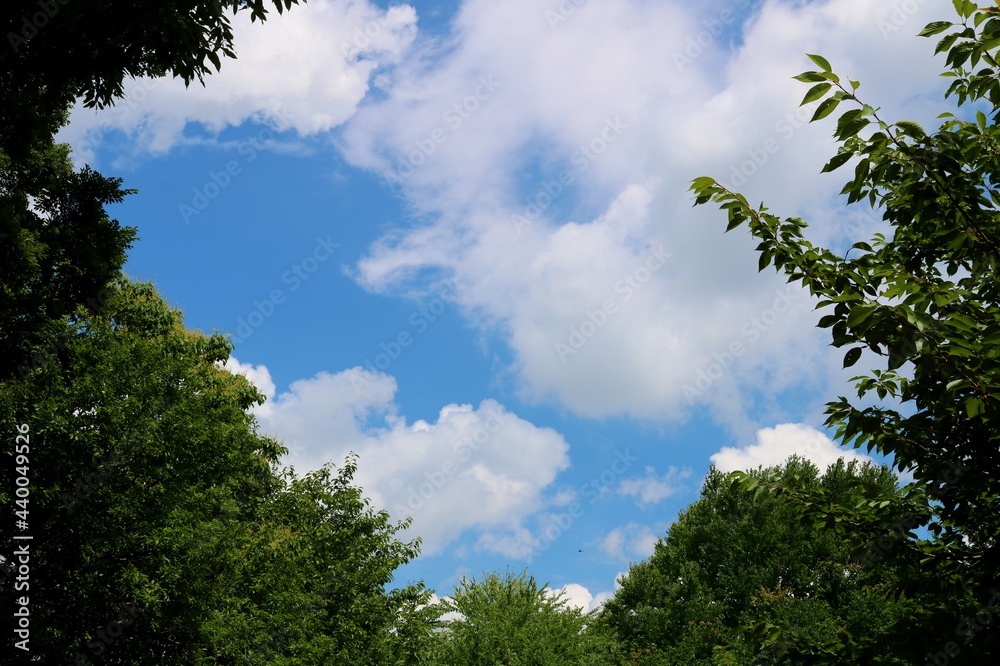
(734, 568)
(922, 306)
(59, 50)
(511, 620)
(58, 247)
(58, 250)
(163, 530)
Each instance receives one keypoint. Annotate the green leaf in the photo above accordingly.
(946, 43)
(973, 407)
(934, 28)
(810, 77)
(823, 63)
(825, 108)
(859, 314)
(214, 57)
(815, 93)
(911, 128)
(838, 161)
(702, 183)
(852, 356)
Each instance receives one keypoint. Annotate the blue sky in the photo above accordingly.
(455, 238)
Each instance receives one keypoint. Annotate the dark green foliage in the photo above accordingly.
(58, 50)
(924, 305)
(739, 577)
(58, 251)
(58, 248)
(151, 488)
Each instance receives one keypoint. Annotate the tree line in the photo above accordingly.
(158, 525)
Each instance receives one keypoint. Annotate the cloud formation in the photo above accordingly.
(775, 445)
(545, 155)
(557, 192)
(475, 467)
(305, 70)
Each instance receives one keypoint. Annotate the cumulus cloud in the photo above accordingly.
(578, 596)
(306, 70)
(477, 467)
(259, 376)
(547, 162)
(546, 154)
(652, 488)
(775, 445)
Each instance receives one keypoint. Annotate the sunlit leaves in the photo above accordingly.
(923, 301)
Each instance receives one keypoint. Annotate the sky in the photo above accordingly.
(456, 240)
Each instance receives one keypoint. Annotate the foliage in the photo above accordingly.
(922, 306)
(511, 620)
(150, 489)
(59, 50)
(58, 250)
(734, 568)
(58, 247)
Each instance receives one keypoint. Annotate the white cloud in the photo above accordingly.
(598, 102)
(450, 616)
(630, 541)
(574, 594)
(651, 489)
(475, 467)
(590, 129)
(775, 445)
(306, 70)
(579, 596)
(259, 376)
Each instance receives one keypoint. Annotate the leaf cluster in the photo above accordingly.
(921, 305)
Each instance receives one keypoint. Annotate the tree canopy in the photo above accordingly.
(921, 307)
(58, 246)
(154, 492)
(58, 51)
(173, 535)
(511, 619)
(733, 568)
